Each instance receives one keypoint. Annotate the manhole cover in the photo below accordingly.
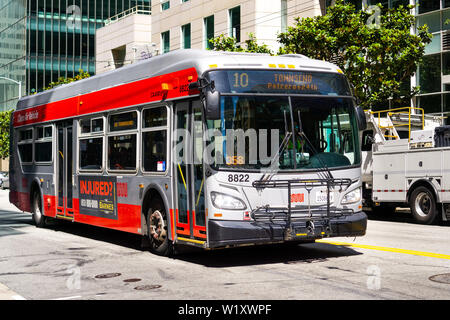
(148, 287)
(132, 280)
(441, 278)
(108, 275)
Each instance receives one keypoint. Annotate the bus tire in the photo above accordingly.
(158, 229)
(38, 216)
(423, 205)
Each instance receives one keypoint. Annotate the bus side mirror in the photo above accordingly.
(361, 118)
(212, 100)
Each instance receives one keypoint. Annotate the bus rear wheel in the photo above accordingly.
(38, 216)
(158, 230)
(423, 205)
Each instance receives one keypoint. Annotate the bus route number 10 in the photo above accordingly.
(240, 80)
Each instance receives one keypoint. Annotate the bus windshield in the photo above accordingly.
(296, 132)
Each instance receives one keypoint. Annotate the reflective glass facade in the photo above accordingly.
(42, 40)
(12, 51)
(433, 75)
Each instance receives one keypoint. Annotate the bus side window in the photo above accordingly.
(367, 140)
(91, 144)
(122, 140)
(25, 145)
(154, 139)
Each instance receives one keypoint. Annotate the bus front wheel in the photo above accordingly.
(38, 217)
(158, 229)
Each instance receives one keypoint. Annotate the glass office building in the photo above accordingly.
(12, 51)
(433, 75)
(58, 39)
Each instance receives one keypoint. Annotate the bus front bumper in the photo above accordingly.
(229, 233)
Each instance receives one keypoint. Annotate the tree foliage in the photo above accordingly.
(5, 118)
(81, 75)
(226, 43)
(378, 57)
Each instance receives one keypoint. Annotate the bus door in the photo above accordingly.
(190, 213)
(64, 169)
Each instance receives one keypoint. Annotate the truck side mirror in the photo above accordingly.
(361, 118)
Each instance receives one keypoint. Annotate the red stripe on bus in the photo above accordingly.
(172, 224)
(128, 218)
(198, 229)
(184, 227)
(129, 94)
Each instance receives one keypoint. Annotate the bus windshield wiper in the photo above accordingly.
(304, 136)
(273, 163)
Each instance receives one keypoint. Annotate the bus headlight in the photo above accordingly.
(352, 197)
(224, 201)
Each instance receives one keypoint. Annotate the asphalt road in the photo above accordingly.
(68, 261)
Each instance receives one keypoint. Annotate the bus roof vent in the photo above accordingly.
(292, 55)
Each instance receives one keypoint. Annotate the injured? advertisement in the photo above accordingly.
(98, 196)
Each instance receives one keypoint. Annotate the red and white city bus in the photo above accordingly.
(153, 148)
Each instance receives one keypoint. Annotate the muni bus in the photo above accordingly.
(202, 148)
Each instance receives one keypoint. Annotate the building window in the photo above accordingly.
(397, 3)
(208, 24)
(165, 42)
(186, 36)
(165, 5)
(430, 74)
(430, 103)
(119, 55)
(428, 5)
(283, 15)
(234, 15)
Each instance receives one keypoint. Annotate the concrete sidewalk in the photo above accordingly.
(7, 294)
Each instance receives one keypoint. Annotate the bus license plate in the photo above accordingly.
(321, 197)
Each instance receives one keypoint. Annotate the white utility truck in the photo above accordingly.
(406, 162)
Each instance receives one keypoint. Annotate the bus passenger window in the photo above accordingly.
(122, 152)
(91, 153)
(91, 144)
(43, 144)
(154, 139)
(25, 145)
(154, 150)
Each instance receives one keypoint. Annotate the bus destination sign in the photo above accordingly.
(280, 82)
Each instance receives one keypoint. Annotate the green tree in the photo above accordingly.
(226, 43)
(81, 75)
(378, 54)
(5, 117)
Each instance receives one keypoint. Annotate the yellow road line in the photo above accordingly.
(405, 251)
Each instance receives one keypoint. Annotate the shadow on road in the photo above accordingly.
(11, 222)
(267, 254)
(400, 215)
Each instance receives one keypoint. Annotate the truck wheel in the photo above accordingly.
(158, 230)
(38, 216)
(423, 205)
